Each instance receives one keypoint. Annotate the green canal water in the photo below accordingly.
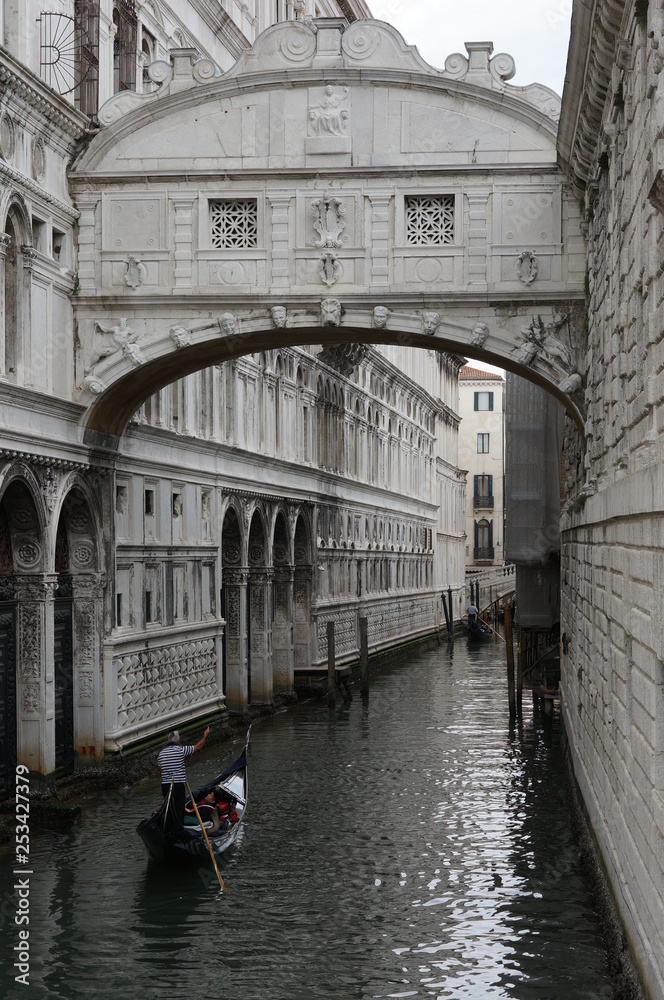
(412, 845)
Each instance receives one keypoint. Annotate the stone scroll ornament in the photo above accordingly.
(329, 222)
(527, 267)
(135, 272)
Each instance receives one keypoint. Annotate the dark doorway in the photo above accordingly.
(7, 694)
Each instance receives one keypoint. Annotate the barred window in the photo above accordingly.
(234, 223)
(430, 220)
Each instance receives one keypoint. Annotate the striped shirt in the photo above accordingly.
(171, 761)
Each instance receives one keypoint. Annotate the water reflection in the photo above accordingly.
(412, 844)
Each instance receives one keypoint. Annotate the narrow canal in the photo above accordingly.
(410, 846)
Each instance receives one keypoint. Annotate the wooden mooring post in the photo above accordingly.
(510, 661)
(364, 656)
(331, 667)
(519, 675)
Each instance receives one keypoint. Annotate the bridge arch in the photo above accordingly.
(331, 188)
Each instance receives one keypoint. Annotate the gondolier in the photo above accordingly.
(173, 773)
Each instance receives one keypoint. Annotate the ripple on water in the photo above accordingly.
(410, 846)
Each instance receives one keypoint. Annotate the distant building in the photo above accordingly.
(482, 454)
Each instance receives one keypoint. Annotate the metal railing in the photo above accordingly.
(486, 553)
(482, 502)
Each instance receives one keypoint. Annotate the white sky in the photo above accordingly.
(535, 32)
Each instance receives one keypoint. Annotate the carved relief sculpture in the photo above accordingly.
(228, 324)
(430, 323)
(527, 267)
(135, 272)
(329, 269)
(279, 316)
(329, 221)
(380, 317)
(479, 335)
(110, 339)
(330, 310)
(327, 117)
(180, 337)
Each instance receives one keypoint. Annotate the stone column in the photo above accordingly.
(5, 242)
(302, 617)
(24, 366)
(88, 618)
(35, 680)
(282, 629)
(260, 653)
(235, 583)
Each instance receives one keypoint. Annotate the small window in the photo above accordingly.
(39, 235)
(59, 247)
(177, 505)
(430, 220)
(148, 606)
(484, 401)
(149, 502)
(234, 224)
(482, 444)
(118, 610)
(121, 500)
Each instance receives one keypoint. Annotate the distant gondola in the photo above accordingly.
(188, 844)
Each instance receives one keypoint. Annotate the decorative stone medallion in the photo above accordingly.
(38, 158)
(7, 137)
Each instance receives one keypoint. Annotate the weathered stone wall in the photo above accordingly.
(613, 528)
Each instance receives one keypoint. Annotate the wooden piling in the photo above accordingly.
(519, 676)
(364, 656)
(510, 662)
(331, 667)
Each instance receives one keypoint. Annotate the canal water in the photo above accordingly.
(409, 846)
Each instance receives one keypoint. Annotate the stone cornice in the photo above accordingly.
(19, 180)
(354, 10)
(41, 100)
(596, 26)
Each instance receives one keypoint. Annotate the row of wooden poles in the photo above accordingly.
(514, 683)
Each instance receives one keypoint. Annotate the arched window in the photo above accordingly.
(12, 305)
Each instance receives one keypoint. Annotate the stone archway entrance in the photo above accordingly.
(8, 757)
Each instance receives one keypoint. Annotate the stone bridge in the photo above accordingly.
(331, 188)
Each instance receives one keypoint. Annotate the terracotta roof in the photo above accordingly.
(468, 373)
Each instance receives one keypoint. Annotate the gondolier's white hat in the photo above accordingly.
(174, 736)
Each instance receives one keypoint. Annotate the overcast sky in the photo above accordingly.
(536, 32)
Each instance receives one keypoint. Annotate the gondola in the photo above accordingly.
(476, 634)
(188, 844)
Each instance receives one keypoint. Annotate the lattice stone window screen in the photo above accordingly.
(430, 220)
(234, 223)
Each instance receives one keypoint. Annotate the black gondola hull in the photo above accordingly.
(188, 844)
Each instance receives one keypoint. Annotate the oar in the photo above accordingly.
(491, 627)
(207, 839)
